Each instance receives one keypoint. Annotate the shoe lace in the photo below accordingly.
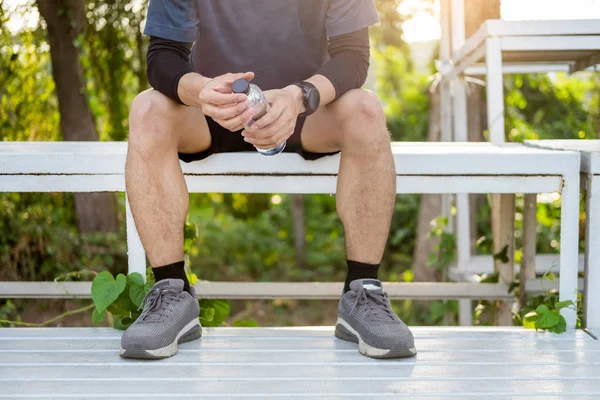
(156, 302)
(378, 303)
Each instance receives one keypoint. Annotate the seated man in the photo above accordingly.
(311, 58)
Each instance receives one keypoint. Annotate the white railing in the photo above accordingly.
(420, 168)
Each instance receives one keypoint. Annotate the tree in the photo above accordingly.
(65, 23)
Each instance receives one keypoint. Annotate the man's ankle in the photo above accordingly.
(359, 270)
(172, 271)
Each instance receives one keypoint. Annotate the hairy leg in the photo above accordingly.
(156, 189)
(366, 189)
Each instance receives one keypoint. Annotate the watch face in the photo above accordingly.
(313, 99)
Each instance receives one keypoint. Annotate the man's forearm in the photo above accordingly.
(189, 88)
(323, 85)
(346, 70)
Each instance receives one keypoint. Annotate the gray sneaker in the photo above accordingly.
(365, 316)
(170, 317)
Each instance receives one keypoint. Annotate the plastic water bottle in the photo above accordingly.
(260, 106)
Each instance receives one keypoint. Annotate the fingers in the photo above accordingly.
(218, 90)
(273, 135)
(273, 115)
(216, 98)
(224, 113)
(224, 82)
(236, 123)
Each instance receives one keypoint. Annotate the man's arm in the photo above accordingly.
(346, 70)
(167, 61)
(169, 72)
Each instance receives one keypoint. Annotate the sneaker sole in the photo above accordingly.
(344, 331)
(191, 331)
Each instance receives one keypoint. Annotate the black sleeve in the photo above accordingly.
(347, 69)
(166, 62)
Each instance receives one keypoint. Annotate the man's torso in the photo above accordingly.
(281, 41)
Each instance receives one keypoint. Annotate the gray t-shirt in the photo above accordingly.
(281, 41)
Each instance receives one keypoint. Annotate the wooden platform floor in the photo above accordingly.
(298, 363)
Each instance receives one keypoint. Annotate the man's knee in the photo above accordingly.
(363, 120)
(150, 121)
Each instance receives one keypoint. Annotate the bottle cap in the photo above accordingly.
(241, 86)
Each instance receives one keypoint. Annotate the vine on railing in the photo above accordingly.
(119, 298)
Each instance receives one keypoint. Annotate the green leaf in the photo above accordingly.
(438, 310)
(547, 320)
(148, 286)
(122, 305)
(106, 289)
(97, 316)
(542, 309)
(123, 323)
(222, 309)
(190, 234)
(502, 255)
(529, 320)
(214, 312)
(207, 316)
(561, 326)
(562, 304)
(245, 323)
(136, 288)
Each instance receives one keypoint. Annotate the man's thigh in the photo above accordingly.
(324, 131)
(151, 110)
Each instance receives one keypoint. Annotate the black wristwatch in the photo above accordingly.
(310, 96)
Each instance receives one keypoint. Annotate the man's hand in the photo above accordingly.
(230, 110)
(279, 123)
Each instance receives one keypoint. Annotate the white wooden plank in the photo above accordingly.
(516, 68)
(136, 255)
(416, 158)
(271, 290)
(299, 333)
(287, 184)
(548, 44)
(369, 388)
(321, 396)
(283, 358)
(494, 90)
(400, 371)
(314, 344)
(589, 150)
(543, 263)
(527, 28)
(569, 246)
(592, 254)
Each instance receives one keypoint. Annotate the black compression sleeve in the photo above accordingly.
(166, 62)
(347, 69)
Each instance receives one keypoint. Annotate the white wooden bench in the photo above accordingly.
(590, 182)
(420, 168)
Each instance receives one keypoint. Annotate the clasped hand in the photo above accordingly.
(231, 110)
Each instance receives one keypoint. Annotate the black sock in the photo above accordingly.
(172, 271)
(359, 270)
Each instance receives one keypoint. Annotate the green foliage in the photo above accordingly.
(214, 312)
(444, 251)
(543, 313)
(106, 289)
(40, 239)
(121, 296)
(245, 323)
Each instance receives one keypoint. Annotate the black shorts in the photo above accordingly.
(225, 141)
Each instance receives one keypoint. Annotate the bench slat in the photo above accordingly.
(412, 158)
